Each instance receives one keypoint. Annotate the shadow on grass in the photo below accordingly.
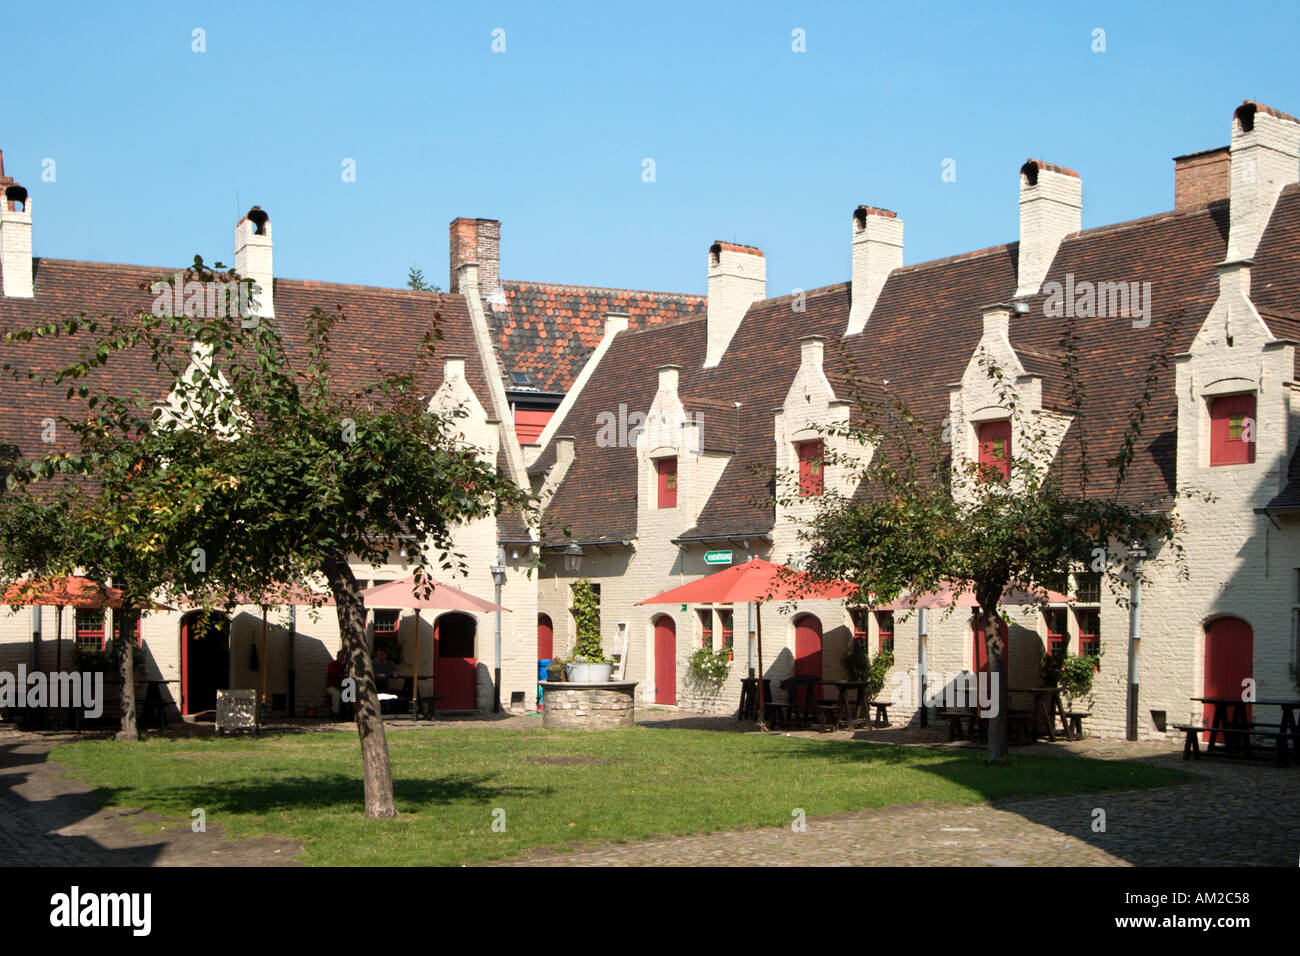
(338, 792)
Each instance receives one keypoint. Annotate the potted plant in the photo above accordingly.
(1076, 674)
(588, 661)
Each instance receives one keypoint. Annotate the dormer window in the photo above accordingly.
(666, 468)
(811, 461)
(1232, 430)
(995, 450)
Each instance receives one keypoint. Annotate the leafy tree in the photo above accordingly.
(415, 280)
(925, 521)
(263, 470)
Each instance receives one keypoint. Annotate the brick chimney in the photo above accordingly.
(15, 238)
(478, 240)
(253, 258)
(1201, 178)
(1265, 156)
(737, 278)
(1051, 207)
(877, 251)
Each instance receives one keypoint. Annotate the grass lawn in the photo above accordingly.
(555, 787)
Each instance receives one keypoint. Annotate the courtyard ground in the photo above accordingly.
(1221, 814)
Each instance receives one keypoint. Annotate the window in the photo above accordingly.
(385, 622)
(1088, 587)
(728, 635)
(519, 378)
(1058, 637)
(667, 471)
(90, 628)
(885, 625)
(811, 478)
(1089, 632)
(706, 628)
(995, 449)
(860, 617)
(1232, 430)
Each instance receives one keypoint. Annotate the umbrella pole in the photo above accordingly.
(58, 637)
(758, 627)
(415, 673)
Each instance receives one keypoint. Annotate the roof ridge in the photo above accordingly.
(602, 288)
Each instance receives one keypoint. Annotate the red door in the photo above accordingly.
(456, 669)
(665, 661)
(808, 647)
(545, 638)
(980, 651)
(1229, 659)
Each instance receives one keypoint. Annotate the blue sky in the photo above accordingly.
(157, 149)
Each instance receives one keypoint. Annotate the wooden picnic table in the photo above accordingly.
(748, 709)
(1230, 714)
(1046, 708)
(858, 708)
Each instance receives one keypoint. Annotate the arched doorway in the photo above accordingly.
(545, 638)
(455, 675)
(665, 660)
(1229, 660)
(808, 646)
(205, 660)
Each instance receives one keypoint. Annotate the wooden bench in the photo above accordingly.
(882, 712)
(1075, 717)
(1192, 742)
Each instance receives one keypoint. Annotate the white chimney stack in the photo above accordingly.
(1265, 156)
(1051, 207)
(877, 251)
(15, 238)
(737, 278)
(253, 258)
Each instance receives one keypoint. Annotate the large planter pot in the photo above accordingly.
(588, 673)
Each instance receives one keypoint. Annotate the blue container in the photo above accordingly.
(541, 669)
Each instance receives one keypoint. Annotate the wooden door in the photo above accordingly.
(665, 660)
(1229, 660)
(205, 662)
(455, 675)
(545, 638)
(808, 647)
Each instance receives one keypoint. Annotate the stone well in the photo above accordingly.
(582, 705)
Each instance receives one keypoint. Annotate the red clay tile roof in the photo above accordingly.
(548, 331)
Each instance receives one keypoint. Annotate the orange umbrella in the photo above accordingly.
(758, 581)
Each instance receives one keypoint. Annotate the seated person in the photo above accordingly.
(384, 670)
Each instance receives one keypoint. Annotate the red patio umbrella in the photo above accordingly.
(69, 591)
(408, 593)
(758, 581)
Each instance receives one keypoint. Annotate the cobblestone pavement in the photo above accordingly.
(47, 820)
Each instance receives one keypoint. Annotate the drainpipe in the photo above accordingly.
(922, 627)
(1138, 553)
(293, 635)
(749, 612)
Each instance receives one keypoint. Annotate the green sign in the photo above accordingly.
(717, 557)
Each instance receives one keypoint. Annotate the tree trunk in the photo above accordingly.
(377, 773)
(995, 652)
(125, 642)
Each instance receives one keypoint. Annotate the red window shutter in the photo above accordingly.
(810, 469)
(995, 447)
(529, 423)
(667, 470)
(1232, 430)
